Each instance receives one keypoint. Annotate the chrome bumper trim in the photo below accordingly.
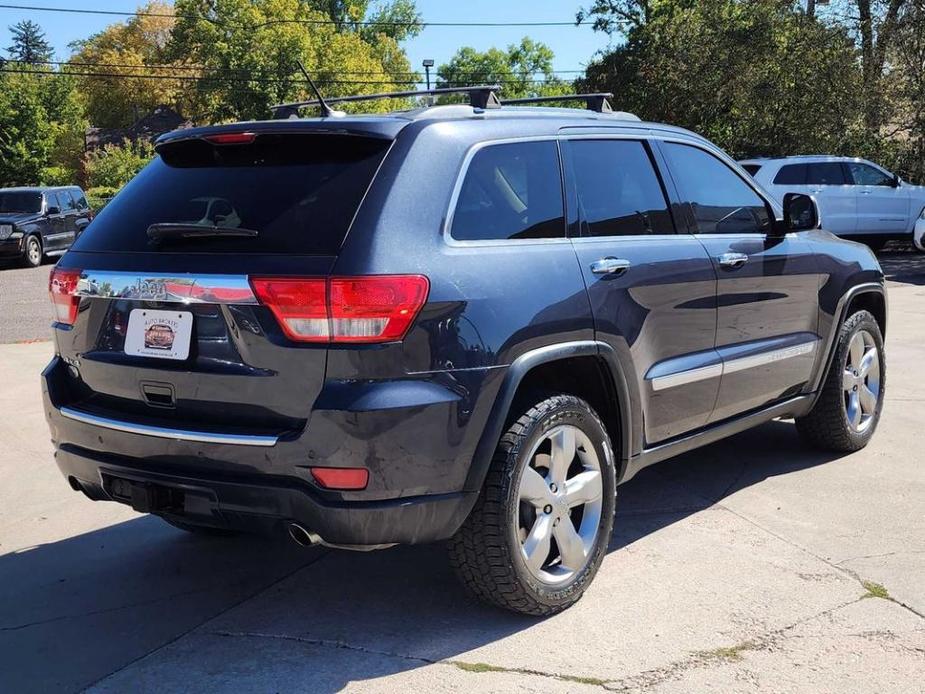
(165, 433)
(166, 288)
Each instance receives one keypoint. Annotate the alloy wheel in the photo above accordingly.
(560, 505)
(861, 381)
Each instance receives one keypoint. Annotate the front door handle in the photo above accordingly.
(610, 266)
(733, 261)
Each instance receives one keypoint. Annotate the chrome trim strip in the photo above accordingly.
(752, 361)
(166, 288)
(764, 358)
(682, 378)
(165, 433)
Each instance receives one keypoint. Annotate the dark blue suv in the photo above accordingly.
(458, 323)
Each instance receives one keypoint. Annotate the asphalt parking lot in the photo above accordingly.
(752, 565)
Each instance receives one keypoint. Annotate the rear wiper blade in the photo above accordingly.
(174, 231)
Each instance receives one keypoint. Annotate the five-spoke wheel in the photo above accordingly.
(861, 380)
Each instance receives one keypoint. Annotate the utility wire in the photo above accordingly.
(117, 13)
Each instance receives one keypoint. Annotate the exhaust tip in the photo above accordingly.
(302, 537)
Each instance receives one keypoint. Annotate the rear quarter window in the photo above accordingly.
(791, 175)
(299, 192)
(752, 168)
(511, 191)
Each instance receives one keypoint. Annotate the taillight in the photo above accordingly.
(62, 285)
(377, 308)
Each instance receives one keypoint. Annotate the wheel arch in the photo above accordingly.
(540, 369)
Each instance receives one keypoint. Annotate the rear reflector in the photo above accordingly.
(62, 285)
(370, 309)
(341, 477)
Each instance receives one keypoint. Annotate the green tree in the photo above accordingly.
(756, 77)
(112, 166)
(250, 48)
(29, 44)
(524, 69)
(41, 126)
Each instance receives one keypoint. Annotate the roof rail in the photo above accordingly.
(593, 102)
(480, 96)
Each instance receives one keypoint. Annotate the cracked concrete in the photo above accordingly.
(740, 567)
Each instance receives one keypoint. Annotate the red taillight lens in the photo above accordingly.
(344, 309)
(62, 285)
(299, 305)
(341, 477)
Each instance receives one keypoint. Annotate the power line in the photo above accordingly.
(329, 22)
(77, 63)
(190, 78)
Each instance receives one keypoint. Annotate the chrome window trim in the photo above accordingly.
(136, 286)
(731, 366)
(166, 433)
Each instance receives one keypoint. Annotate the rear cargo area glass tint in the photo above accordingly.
(299, 192)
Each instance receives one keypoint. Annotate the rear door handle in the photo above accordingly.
(733, 261)
(610, 266)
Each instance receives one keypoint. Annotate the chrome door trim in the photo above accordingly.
(730, 366)
(166, 288)
(166, 433)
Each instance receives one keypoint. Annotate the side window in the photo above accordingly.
(511, 191)
(826, 174)
(721, 202)
(791, 175)
(618, 190)
(866, 175)
(80, 199)
(63, 201)
(70, 204)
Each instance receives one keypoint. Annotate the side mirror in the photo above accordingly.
(800, 212)
(896, 181)
(53, 209)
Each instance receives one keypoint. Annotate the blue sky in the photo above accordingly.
(573, 46)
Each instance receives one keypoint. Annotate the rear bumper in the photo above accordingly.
(269, 505)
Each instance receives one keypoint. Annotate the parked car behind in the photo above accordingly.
(857, 199)
(464, 322)
(40, 222)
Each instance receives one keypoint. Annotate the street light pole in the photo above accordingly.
(428, 64)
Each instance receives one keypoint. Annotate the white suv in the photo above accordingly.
(856, 198)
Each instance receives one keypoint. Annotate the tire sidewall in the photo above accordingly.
(858, 322)
(574, 412)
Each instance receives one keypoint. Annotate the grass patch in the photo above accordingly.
(479, 667)
(728, 653)
(875, 590)
(583, 680)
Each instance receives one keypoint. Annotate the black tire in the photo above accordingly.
(33, 253)
(486, 552)
(205, 530)
(827, 425)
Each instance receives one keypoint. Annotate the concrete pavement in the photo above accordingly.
(751, 565)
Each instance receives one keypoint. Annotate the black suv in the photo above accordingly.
(466, 323)
(40, 222)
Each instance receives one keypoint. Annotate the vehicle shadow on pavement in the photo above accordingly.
(903, 265)
(76, 610)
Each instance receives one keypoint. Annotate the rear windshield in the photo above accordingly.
(298, 192)
(20, 201)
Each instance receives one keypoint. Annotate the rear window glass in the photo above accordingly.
(792, 175)
(511, 191)
(298, 192)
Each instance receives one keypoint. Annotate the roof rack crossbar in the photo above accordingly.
(480, 96)
(599, 102)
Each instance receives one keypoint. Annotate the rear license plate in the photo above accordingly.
(159, 334)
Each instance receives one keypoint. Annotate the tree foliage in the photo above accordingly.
(112, 166)
(524, 69)
(29, 44)
(250, 50)
(41, 126)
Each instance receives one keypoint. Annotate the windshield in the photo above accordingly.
(20, 201)
(298, 193)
